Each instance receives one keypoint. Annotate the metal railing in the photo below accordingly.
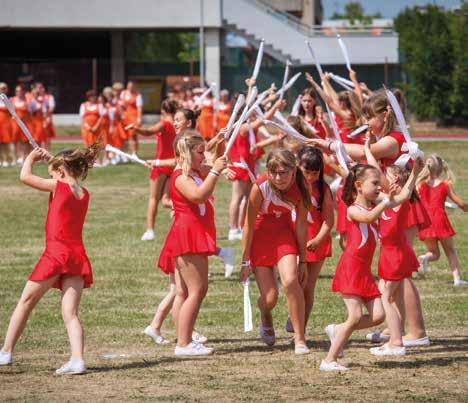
(316, 30)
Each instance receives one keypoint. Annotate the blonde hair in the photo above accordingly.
(78, 161)
(376, 104)
(183, 148)
(285, 158)
(436, 167)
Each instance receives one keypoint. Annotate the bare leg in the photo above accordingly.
(234, 206)
(287, 267)
(32, 293)
(266, 282)
(164, 306)
(449, 249)
(309, 290)
(389, 290)
(433, 252)
(165, 199)
(193, 270)
(72, 288)
(133, 144)
(413, 311)
(181, 296)
(156, 188)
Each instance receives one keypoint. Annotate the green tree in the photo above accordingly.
(354, 12)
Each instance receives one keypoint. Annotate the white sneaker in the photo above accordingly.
(387, 350)
(377, 337)
(301, 349)
(459, 282)
(288, 326)
(424, 262)
(72, 367)
(157, 338)
(20, 161)
(198, 337)
(148, 235)
(6, 358)
(227, 254)
(332, 366)
(423, 341)
(268, 339)
(235, 234)
(192, 349)
(5, 164)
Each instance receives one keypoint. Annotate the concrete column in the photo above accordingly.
(213, 56)
(308, 12)
(117, 57)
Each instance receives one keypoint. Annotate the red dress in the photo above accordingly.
(64, 252)
(359, 139)
(341, 211)
(433, 199)
(239, 152)
(164, 149)
(318, 126)
(400, 139)
(193, 228)
(418, 216)
(315, 221)
(273, 233)
(353, 274)
(397, 258)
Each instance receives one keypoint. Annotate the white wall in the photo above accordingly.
(108, 14)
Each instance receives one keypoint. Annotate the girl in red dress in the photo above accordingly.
(385, 146)
(310, 110)
(6, 155)
(23, 109)
(165, 136)
(353, 277)
(192, 237)
(434, 186)
(319, 220)
(397, 260)
(272, 199)
(64, 263)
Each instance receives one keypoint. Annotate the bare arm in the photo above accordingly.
(457, 199)
(150, 130)
(328, 221)
(365, 216)
(34, 181)
(357, 86)
(200, 194)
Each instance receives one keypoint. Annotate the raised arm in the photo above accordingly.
(457, 199)
(34, 181)
(357, 86)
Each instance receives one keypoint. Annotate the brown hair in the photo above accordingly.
(78, 161)
(183, 148)
(352, 105)
(170, 106)
(357, 173)
(300, 126)
(283, 157)
(403, 174)
(313, 94)
(191, 116)
(376, 104)
(311, 158)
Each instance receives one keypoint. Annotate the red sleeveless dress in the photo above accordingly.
(353, 274)
(315, 221)
(193, 227)
(164, 149)
(273, 234)
(341, 211)
(397, 258)
(64, 252)
(239, 152)
(433, 199)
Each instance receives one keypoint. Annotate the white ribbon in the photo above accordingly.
(21, 124)
(290, 131)
(133, 158)
(288, 85)
(316, 61)
(342, 83)
(357, 131)
(410, 147)
(296, 107)
(285, 77)
(338, 78)
(240, 101)
(248, 325)
(258, 62)
(205, 94)
(242, 164)
(344, 51)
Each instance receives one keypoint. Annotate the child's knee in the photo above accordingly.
(354, 317)
(269, 300)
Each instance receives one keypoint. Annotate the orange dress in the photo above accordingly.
(5, 124)
(223, 115)
(116, 123)
(206, 119)
(130, 102)
(38, 119)
(23, 110)
(104, 128)
(90, 114)
(49, 124)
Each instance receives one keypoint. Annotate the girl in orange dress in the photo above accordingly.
(91, 113)
(23, 110)
(116, 110)
(224, 110)
(49, 102)
(206, 121)
(132, 103)
(39, 109)
(5, 131)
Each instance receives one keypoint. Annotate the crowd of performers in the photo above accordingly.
(318, 175)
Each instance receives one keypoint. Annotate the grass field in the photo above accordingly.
(128, 288)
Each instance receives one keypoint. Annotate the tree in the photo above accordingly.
(354, 12)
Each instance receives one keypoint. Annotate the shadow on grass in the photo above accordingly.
(435, 362)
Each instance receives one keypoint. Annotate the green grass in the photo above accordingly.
(128, 287)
